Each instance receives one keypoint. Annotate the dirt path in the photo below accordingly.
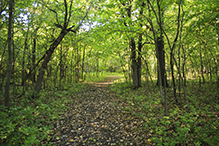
(107, 82)
(97, 118)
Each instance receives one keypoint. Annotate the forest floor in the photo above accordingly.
(96, 117)
(111, 112)
(114, 114)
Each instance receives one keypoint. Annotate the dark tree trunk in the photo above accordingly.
(77, 59)
(202, 70)
(13, 64)
(82, 70)
(139, 60)
(134, 63)
(23, 64)
(60, 69)
(34, 60)
(7, 86)
(72, 67)
(172, 72)
(140, 45)
(161, 57)
(183, 65)
(179, 87)
(55, 75)
(45, 62)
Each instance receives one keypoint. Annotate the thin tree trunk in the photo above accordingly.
(156, 49)
(72, 67)
(139, 60)
(7, 86)
(140, 45)
(172, 73)
(65, 67)
(82, 71)
(76, 66)
(148, 72)
(202, 70)
(97, 67)
(134, 63)
(13, 62)
(2, 74)
(23, 64)
(183, 65)
(34, 60)
(60, 69)
(55, 76)
(179, 88)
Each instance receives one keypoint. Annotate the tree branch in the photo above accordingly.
(66, 14)
(57, 20)
(75, 30)
(69, 17)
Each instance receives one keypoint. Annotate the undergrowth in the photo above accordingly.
(199, 126)
(29, 121)
(94, 78)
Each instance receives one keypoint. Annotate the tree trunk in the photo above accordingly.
(134, 63)
(202, 70)
(45, 62)
(13, 64)
(34, 60)
(55, 75)
(7, 86)
(160, 45)
(23, 64)
(72, 67)
(139, 60)
(179, 87)
(60, 69)
(173, 78)
(77, 65)
(183, 65)
(82, 70)
(140, 45)
(97, 68)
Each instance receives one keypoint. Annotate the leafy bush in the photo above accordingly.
(29, 123)
(199, 126)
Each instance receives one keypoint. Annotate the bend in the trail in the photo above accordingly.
(107, 82)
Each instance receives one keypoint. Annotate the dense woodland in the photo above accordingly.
(163, 54)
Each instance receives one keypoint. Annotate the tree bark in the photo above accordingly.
(7, 86)
(202, 70)
(34, 60)
(24, 74)
(45, 62)
(82, 70)
(161, 58)
(60, 69)
(134, 63)
(183, 65)
(172, 73)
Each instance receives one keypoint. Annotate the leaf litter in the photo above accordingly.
(97, 117)
(103, 116)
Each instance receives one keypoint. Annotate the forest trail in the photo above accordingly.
(97, 117)
(107, 82)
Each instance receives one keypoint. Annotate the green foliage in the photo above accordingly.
(30, 123)
(199, 126)
(94, 78)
